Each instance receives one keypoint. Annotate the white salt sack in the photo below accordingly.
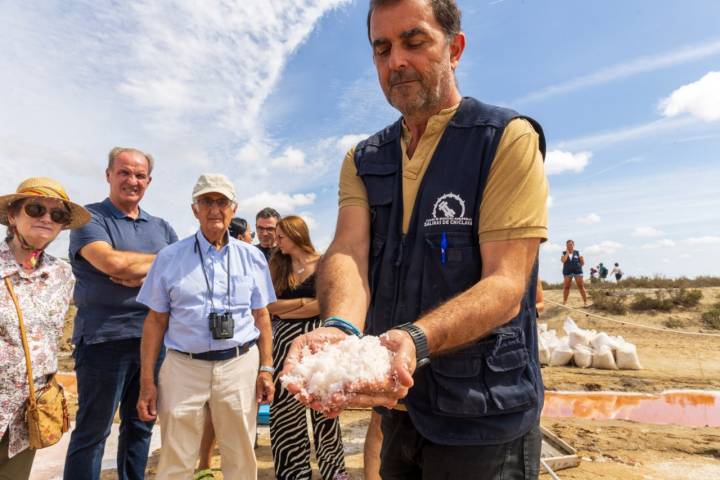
(582, 356)
(578, 338)
(337, 368)
(543, 351)
(561, 356)
(627, 357)
(569, 325)
(601, 340)
(603, 359)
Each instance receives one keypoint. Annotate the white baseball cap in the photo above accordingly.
(214, 183)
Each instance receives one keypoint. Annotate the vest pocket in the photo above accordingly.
(507, 375)
(459, 387)
(460, 271)
(494, 382)
(379, 180)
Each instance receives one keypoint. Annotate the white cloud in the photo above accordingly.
(597, 141)
(707, 240)
(606, 247)
(700, 99)
(589, 219)
(663, 243)
(292, 159)
(284, 203)
(550, 201)
(558, 161)
(646, 232)
(549, 247)
(625, 69)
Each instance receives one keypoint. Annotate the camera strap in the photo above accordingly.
(210, 288)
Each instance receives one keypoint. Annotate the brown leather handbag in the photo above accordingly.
(46, 412)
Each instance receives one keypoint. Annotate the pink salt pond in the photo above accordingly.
(687, 408)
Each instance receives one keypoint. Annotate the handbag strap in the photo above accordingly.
(28, 363)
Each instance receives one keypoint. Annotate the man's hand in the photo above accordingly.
(147, 402)
(128, 283)
(264, 388)
(385, 393)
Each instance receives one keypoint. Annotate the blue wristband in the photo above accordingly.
(343, 325)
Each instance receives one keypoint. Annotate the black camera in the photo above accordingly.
(222, 325)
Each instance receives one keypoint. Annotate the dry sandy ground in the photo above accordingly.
(611, 449)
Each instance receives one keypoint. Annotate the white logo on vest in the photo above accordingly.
(449, 209)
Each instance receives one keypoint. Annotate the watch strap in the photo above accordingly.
(422, 351)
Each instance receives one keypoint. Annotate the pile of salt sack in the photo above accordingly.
(333, 371)
(585, 348)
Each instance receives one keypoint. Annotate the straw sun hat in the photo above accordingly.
(44, 187)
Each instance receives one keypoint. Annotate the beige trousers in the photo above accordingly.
(185, 386)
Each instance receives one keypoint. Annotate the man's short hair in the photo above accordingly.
(238, 227)
(267, 212)
(446, 13)
(115, 152)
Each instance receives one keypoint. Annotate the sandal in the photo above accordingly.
(206, 474)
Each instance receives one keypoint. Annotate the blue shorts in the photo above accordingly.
(571, 275)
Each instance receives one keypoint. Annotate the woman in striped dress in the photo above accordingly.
(292, 267)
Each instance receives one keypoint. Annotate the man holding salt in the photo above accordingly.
(441, 216)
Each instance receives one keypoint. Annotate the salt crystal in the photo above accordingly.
(338, 368)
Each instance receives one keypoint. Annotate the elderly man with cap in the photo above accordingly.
(207, 296)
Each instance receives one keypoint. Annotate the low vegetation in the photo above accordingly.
(608, 302)
(666, 300)
(711, 318)
(648, 282)
(673, 323)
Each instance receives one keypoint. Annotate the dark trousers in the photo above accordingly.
(407, 455)
(108, 376)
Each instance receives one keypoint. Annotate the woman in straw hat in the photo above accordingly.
(43, 285)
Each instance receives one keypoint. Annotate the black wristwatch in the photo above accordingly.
(422, 353)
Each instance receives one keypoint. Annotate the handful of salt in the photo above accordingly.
(337, 369)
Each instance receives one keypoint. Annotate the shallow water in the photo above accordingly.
(687, 408)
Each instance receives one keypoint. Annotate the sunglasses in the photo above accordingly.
(57, 215)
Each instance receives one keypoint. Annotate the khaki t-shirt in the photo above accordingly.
(514, 200)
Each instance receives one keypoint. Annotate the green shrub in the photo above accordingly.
(643, 303)
(711, 318)
(686, 298)
(607, 302)
(673, 323)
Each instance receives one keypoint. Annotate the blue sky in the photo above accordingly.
(273, 92)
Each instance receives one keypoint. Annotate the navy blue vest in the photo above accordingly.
(490, 392)
(572, 265)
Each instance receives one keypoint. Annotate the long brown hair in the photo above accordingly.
(281, 269)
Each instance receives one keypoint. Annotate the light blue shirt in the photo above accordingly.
(176, 284)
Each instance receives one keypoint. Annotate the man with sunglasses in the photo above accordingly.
(110, 257)
(207, 296)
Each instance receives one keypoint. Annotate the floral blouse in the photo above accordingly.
(44, 296)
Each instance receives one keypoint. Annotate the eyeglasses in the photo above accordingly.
(57, 215)
(222, 202)
(265, 229)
